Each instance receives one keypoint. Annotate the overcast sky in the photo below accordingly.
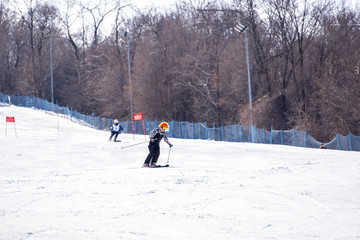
(155, 3)
(141, 4)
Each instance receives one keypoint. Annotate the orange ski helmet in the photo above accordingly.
(164, 125)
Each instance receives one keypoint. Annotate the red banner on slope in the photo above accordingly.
(10, 119)
(138, 117)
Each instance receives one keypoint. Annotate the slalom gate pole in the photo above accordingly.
(133, 145)
(168, 155)
(15, 129)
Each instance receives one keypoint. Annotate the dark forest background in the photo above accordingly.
(189, 63)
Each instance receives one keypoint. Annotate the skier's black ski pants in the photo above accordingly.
(154, 153)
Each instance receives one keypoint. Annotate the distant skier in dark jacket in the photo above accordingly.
(322, 146)
(116, 129)
(154, 144)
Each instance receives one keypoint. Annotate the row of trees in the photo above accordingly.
(189, 63)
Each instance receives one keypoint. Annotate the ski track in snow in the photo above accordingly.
(74, 184)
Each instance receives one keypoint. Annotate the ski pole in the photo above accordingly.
(133, 145)
(168, 155)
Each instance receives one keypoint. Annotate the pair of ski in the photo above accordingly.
(158, 166)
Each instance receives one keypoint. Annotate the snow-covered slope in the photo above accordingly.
(72, 183)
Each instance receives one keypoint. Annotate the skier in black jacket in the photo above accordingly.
(154, 144)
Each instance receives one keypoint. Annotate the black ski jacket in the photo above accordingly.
(156, 136)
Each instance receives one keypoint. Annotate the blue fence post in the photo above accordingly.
(18, 100)
(193, 132)
(127, 124)
(214, 131)
(305, 138)
(199, 130)
(254, 134)
(222, 132)
(150, 128)
(281, 135)
(230, 133)
(350, 141)
(263, 135)
(206, 132)
(240, 133)
(337, 141)
(172, 128)
(293, 136)
(235, 133)
(271, 135)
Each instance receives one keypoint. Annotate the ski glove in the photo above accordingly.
(171, 145)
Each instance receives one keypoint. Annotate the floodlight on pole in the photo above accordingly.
(242, 29)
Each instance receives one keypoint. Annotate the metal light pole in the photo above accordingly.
(51, 69)
(241, 28)
(128, 49)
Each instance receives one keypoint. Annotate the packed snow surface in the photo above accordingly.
(62, 180)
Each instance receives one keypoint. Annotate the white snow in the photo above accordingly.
(75, 184)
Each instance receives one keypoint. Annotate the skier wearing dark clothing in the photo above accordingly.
(116, 128)
(154, 144)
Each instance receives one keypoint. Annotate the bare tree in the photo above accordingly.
(98, 11)
(336, 92)
(37, 18)
(71, 17)
(8, 53)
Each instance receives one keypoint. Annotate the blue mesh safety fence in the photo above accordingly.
(187, 130)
